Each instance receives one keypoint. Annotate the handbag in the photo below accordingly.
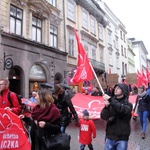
(59, 141)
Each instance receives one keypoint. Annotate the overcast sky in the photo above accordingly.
(135, 15)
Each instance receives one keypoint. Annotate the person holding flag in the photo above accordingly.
(117, 113)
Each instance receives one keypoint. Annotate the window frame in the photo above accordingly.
(92, 25)
(100, 31)
(93, 52)
(101, 54)
(54, 36)
(71, 11)
(35, 26)
(84, 19)
(53, 2)
(71, 52)
(16, 18)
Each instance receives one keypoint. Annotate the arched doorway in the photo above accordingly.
(58, 78)
(37, 75)
(15, 79)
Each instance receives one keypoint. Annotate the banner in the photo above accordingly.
(131, 78)
(12, 133)
(94, 104)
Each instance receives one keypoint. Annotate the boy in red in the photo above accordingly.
(87, 131)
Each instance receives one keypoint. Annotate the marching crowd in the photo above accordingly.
(54, 111)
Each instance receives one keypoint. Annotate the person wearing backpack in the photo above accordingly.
(14, 105)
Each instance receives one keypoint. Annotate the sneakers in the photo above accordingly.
(143, 135)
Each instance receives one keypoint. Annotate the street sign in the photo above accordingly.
(8, 63)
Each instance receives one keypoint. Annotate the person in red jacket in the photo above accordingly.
(4, 102)
(87, 131)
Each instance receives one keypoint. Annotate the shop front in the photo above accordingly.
(37, 75)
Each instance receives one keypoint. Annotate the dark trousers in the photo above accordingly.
(90, 146)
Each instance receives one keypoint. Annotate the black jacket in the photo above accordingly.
(118, 115)
(64, 104)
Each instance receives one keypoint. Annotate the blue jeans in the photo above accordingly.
(143, 119)
(115, 145)
(63, 129)
(90, 146)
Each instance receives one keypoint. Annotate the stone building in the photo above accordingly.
(32, 43)
(89, 20)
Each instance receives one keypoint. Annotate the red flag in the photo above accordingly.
(145, 82)
(148, 74)
(83, 71)
(12, 133)
(139, 79)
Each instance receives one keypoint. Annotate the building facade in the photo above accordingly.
(32, 43)
(89, 20)
(141, 55)
(131, 59)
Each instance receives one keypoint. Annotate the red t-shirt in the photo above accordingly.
(87, 131)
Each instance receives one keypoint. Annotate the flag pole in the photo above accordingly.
(97, 79)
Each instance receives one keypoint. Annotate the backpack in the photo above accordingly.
(24, 108)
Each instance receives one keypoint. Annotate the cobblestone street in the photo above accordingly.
(135, 141)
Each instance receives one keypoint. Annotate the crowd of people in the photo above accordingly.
(54, 111)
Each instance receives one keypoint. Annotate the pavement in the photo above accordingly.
(135, 141)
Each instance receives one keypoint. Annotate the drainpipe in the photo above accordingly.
(64, 32)
(64, 23)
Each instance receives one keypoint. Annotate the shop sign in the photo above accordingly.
(37, 72)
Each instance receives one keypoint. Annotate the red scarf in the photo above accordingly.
(47, 114)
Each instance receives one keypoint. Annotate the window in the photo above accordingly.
(117, 62)
(93, 49)
(125, 68)
(71, 10)
(71, 44)
(125, 52)
(84, 18)
(116, 42)
(122, 67)
(16, 16)
(100, 31)
(85, 45)
(92, 25)
(124, 38)
(101, 54)
(110, 58)
(109, 37)
(36, 29)
(121, 34)
(122, 50)
(53, 36)
(53, 2)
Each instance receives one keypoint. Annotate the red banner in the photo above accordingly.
(12, 133)
(94, 104)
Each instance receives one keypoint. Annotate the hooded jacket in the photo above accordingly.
(118, 115)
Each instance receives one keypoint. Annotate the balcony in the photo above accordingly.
(98, 65)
